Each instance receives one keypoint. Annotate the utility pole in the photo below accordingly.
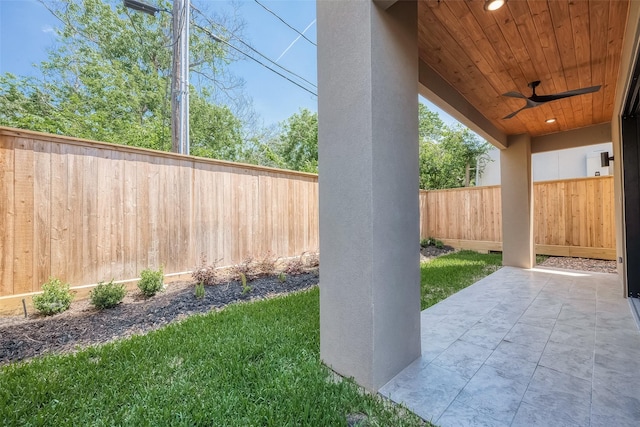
(180, 78)
(180, 69)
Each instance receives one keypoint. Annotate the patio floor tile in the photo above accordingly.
(538, 348)
(534, 416)
(460, 415)
(609, 403)
(511, 367)
(493, 395)
(463, 358)
(577, 317)
(519, 351)
(486, 334)
(529, 335)
(427, 393)
(576, 361)
(566, 396)
(598, 420)
(573, 335)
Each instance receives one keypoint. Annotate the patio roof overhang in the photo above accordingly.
(469, 57)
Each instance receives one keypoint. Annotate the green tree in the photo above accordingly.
(214, 131)
(464, 149)
(296, 147)
(293, 144)
(449, 161)
(108, 76)
(24, 105)
(447, 157)
(430, 125)
(261, 148)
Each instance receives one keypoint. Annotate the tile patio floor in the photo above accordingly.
(524, 348)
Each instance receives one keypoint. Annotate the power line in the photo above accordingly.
(218, 39)
(253, 49)
(284, 22)
(276, 64)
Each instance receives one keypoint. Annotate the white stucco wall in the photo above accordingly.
(368, 189)
(560, 164)
(491, 172)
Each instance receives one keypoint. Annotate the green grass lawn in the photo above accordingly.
(248, 365)
(446, 275)
(251, 364)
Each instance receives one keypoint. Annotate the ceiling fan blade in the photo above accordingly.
(514, 95)
(516, 112)
(582, 91)
(535, 100)
(567, 94)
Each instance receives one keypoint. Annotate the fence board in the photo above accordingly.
(129, 217)
(105, 188)
(59, 212)
(90, 213)
(23, 223)
(7, 214)
(42, 213)
(75, 206)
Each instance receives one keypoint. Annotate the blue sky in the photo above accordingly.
(26, 31)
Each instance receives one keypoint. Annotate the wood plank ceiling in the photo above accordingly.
(565, 44)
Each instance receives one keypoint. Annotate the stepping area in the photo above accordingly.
(543, 347)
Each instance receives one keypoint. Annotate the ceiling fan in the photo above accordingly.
(537, 100)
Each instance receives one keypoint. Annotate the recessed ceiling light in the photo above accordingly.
(492, 5)
(551, 120)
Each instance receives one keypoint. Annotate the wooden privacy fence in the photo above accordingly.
(87, 212)
(573, 217)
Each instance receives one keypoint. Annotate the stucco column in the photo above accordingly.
(518, 246)
(368, 177)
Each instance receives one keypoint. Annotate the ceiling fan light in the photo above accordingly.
(492, 5)
(551, 120)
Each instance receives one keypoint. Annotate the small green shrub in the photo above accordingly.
(246, 268)
(199, 290)
(245, 288)
(55, 297)
(151, 281)
(107, 295)
(430, 241)
(282, 277)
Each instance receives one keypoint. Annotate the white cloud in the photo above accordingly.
(47, 29)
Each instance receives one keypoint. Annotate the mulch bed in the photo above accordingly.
(82, 325)
(431, 252)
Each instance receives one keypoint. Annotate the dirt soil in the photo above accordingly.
(83, 325)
